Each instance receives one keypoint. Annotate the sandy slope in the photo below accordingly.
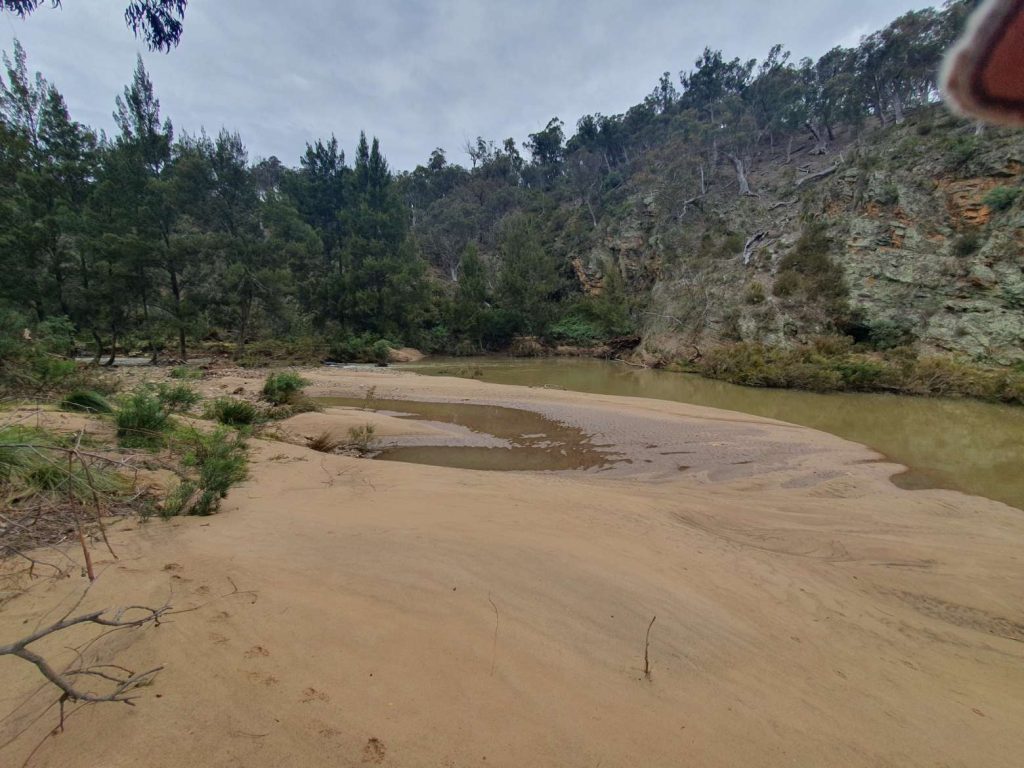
(808, 612)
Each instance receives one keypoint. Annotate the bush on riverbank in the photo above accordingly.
(217, 461)
(832, 364)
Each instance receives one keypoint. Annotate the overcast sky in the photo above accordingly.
(417, 73)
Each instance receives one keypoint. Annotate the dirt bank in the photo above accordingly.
(353, 612)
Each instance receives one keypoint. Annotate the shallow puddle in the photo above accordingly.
(531, 442)
(965, 445)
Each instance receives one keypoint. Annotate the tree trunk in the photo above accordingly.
(879, 112)
(243, 329)
(99, 347)
(176, 294)
(148, 322)
(590, 208)
(113, 347)
(820, 145)
(741, 175)
(897, 105)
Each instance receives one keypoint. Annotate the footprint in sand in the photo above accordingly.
(259, 677)
(173, 567)
(217, 639)
(257, 651)
(312, 694)
(202, 590)
(374, 751)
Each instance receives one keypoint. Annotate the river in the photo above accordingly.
(962, 445)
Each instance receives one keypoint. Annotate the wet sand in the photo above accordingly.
(809, 612)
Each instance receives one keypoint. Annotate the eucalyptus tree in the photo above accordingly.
(158, 21)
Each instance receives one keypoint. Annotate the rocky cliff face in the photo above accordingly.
(917, 236)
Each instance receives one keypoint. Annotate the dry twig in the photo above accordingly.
(647, 648)
(124, 682)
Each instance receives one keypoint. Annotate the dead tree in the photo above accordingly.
(741, 175)
(819, 175)
(751, 245)
(121, 681)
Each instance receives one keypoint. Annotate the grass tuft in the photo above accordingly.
(325, 442)
(232, 412)
(86, 401)
(177, 397)
(141, 421)
(183, 372)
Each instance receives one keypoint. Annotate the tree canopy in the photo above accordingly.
(159, 22)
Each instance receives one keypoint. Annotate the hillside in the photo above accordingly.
(914, 238)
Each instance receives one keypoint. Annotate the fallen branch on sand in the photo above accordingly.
(123, 680)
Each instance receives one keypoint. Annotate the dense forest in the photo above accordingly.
(163, 243)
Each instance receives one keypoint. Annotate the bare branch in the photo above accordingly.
(752, 242)
(819, 175)
(123, 684)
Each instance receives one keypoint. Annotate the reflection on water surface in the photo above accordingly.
(965, 445)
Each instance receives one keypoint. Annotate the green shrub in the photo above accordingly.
(832, 346)
(177, 397)
(86, 401)
(889, 194)
(282, 388)
(232, 411)
(787, 284)
(183, 372)
(890, 334)
(575, 330)
(1001, 198)
(1012, 388)
(754, 294)
(366, 348)
(141, 421)
(830, 363)
(218, 460)
(809, 270)
(967, 243)
(33, 356)
(961, 150)
(865, 374)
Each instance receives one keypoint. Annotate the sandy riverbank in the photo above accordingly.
(808, 612)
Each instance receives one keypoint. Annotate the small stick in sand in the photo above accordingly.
(647, 648)
(494, 647)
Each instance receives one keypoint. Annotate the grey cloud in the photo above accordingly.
(417, 74)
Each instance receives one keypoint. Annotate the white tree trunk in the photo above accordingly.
(897, 105)
(741, 175)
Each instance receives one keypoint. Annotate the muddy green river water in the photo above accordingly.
(963, 445)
